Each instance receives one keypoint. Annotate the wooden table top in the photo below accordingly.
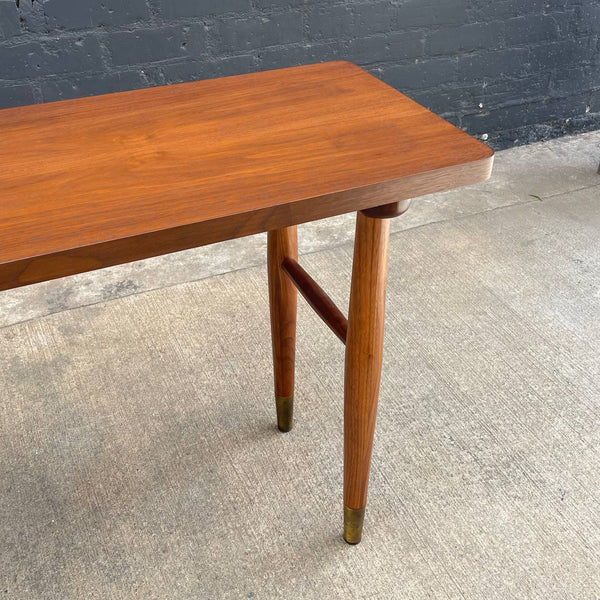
(97, 181)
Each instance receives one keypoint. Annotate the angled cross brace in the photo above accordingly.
(314, 294)
(321, 303)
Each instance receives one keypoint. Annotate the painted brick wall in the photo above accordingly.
(511, 71)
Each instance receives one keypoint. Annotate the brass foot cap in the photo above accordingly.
(285, 412)
(353, 524)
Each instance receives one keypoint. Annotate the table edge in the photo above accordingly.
(36, 269)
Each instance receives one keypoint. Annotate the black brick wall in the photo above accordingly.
(511, 71)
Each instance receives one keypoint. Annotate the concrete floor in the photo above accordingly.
(139, 458)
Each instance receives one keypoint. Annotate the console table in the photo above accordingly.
(99, 181)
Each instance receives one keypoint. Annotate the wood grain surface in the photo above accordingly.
(98, 181)
(364, 354)
(283, 301)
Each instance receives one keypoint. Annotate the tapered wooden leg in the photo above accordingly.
(364, 353)
(281, 244)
